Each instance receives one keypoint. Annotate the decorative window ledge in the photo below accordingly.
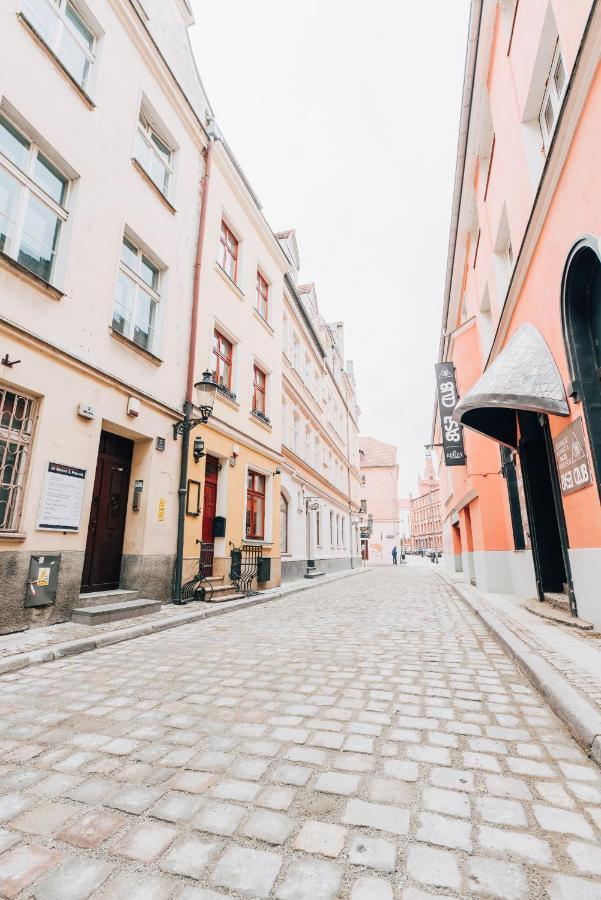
(263, 321)
(8, 262)
(264, 420)
(155, 360)
(229, 395)
(13, 536)
(140, 168)
(229, 281)
(257, 542)
(55, 59)
(225, 399)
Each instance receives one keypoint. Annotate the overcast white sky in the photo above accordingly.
(344, 115)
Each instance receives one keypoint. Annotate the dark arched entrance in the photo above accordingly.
(581, 315)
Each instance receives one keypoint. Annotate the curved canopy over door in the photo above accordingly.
(523, 376)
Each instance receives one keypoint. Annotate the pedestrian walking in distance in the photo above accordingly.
(395, 553)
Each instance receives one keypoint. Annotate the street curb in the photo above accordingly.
(84, 645)
(580, 716)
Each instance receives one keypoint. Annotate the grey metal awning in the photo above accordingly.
(523, 376)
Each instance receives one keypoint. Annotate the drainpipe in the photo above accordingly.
(188, 402)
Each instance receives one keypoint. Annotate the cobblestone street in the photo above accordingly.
(365, 740)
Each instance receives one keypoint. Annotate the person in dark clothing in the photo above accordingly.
(395, 553)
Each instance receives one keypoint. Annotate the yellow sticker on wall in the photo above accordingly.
(162, 506)
(43, 577)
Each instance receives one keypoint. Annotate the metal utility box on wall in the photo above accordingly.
(219, 526)
(42, 580)
(264, 569)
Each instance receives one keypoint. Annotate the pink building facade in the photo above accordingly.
(380, 514)
(522, 306)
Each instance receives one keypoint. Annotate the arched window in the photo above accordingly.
(581, 315)
(283, 524)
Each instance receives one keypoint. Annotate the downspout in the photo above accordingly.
(188, 402)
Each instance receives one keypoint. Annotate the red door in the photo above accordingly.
(209, 507)
(104, 546)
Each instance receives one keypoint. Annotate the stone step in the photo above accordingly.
(114, 612)
(222, 597)
(101, 598)
(559, 601)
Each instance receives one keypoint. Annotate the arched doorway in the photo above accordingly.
(581, 315)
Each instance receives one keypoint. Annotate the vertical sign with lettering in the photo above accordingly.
(452, 432)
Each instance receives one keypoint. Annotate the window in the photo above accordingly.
(283, 524)
(332, 530)
(153, 154)
(262, 297)
(17, 416)
(222, 360)
(32, 202)
(63, 29)
(296, 353)
(136, 304)
(552, 98)
(363, 508)
(255, 506)
(308, 444)
(259, 384)
(228, 252)
(363, 479)
(343, 534)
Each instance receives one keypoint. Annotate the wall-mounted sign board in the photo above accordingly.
(572, 459)
(62, 498)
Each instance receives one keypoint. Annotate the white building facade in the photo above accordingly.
(320, 481)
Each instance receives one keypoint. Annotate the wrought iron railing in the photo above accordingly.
(199, 587)
(245, 564)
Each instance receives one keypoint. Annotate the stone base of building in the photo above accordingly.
(295, 569)
(151, 576)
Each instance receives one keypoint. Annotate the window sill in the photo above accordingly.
(229, 281)
(13, 536)
(258, 542)
(25, 273)
(57, 62)
(155, 360)
(263, 321)
(261, 422)
(228, 400)
(140, 168)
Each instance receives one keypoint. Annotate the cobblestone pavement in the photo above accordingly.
(576, 655)
(364, 740)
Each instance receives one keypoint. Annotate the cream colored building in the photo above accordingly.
(319, 502)
(239, 340)
(101, 159)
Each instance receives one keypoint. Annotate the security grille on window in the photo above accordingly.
(136, 304)
(32, 202)
(17, 414)
(153, 154)
(63, 29)
(552, 99)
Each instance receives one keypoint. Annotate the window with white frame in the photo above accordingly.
(62, 27)
(138, 294)
(32, 202)
(153, 153)
(552, 98)
(296, 352)
(17, 418)
(331, 529)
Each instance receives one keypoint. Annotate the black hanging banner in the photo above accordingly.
(452, 432)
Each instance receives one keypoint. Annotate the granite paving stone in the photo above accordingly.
(364, 740)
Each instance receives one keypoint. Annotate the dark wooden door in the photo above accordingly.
(104, 547)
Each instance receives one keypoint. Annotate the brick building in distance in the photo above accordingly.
(426, 518)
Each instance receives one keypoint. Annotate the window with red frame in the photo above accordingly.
(259, 383)
(262, 297)
(228, 251)
(222, 360)
(255, 506)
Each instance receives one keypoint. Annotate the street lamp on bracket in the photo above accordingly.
(206, 390)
